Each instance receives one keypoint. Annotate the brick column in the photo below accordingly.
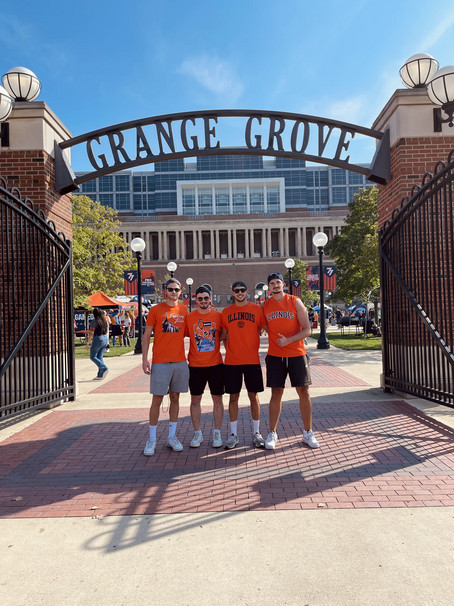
(28, 162)
(415, 147)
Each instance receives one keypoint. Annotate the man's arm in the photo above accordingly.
(303, 319)
(146, 366)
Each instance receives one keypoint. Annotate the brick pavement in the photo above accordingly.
(90, 463)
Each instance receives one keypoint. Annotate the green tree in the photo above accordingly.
(299, 273)
(100, 253)
(356, 250)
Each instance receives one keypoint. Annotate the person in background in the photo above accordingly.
(126, 325)
(116, 327)
(97, 342)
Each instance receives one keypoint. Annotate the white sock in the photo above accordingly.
(233, 427)
(255, 426)
(172, 428)
(153, 431)
(198, 431)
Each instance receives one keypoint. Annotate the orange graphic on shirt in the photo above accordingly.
(203, 331)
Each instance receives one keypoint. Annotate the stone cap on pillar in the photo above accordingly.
(33, 125)
(409, 113)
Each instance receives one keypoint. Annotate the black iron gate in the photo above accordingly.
(36, 308)
(417, 264)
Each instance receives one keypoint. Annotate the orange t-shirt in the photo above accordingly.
(283, 321)
(243, 323)
(168, 322)
(203, 331)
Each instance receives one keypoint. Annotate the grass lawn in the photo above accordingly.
(351, 341)
(83, 352)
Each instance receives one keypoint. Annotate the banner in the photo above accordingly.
(148, 282)
(329, 277)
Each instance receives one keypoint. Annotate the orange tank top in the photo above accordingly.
(283, 321)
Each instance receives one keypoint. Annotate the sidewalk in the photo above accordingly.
(367, 517)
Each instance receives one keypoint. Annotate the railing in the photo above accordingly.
(36, 308)
(417, 264)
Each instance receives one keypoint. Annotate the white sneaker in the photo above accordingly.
(174, 443)
(271, 440)
(310, 439)
(196, 440)
(149, 447)
(232, 441)
(217, 440)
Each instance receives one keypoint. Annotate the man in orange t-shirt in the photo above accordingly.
(288, 325)
(169, 370)
(203, 327)
(242, 321)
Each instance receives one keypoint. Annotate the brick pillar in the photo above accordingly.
(415, 147)
(28, 162)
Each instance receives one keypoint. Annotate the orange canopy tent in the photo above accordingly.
(99, 299)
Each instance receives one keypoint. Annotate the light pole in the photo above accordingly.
(190, 282)
(138, 246)
(172, 268)
(265, 289)
(289, 264)
(320, 240)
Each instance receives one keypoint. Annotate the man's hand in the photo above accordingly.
(146, 367)
(282, 341)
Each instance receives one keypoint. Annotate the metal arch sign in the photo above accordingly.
(201, 133)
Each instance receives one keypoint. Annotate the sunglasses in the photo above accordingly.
(237, 290)
(172, 289)
(203, 298)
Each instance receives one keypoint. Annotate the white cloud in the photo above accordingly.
(215, 75)
(347, 110)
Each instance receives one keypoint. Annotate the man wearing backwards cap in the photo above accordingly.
(169, 369)
(288, 325)
(243, 321)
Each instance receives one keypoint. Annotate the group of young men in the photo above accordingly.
(239, 326)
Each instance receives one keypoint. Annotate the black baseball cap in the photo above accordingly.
(172, 281)
(203, 289)
(239, 283)
(275, 276)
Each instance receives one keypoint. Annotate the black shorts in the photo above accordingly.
(297, 368)
(116, 330)
(233, 377)
(199, 376)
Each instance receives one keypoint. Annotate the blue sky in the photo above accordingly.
(105, 62)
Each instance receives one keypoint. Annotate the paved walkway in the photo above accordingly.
(83, 461)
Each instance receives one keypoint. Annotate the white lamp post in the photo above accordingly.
(138, 246)
(265, 288)
(22, 84)
(290, 264)
(440, 90)
(418, 70)
(190, 282)
(172, 268)
(320, 240)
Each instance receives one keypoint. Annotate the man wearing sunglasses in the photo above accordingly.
(288, 325)
(203, 326)
(242, 322)
(169, 370)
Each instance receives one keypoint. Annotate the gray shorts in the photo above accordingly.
(169, 376)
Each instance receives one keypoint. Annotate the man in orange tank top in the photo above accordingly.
(288, 325)
(169, 370)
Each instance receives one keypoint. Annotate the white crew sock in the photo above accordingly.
(255, 426)
(172, 428)
(233, 427)
(153, 431)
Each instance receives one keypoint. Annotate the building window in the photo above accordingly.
(239, 197)
(338, 176)
(106, 199)
(257, 200)
(122, 183)
(355, 178)
(273, 199)
(189, 201)
(105, 183)
(205, 201)
(123, 202)
(339, 195)
(222, 200)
